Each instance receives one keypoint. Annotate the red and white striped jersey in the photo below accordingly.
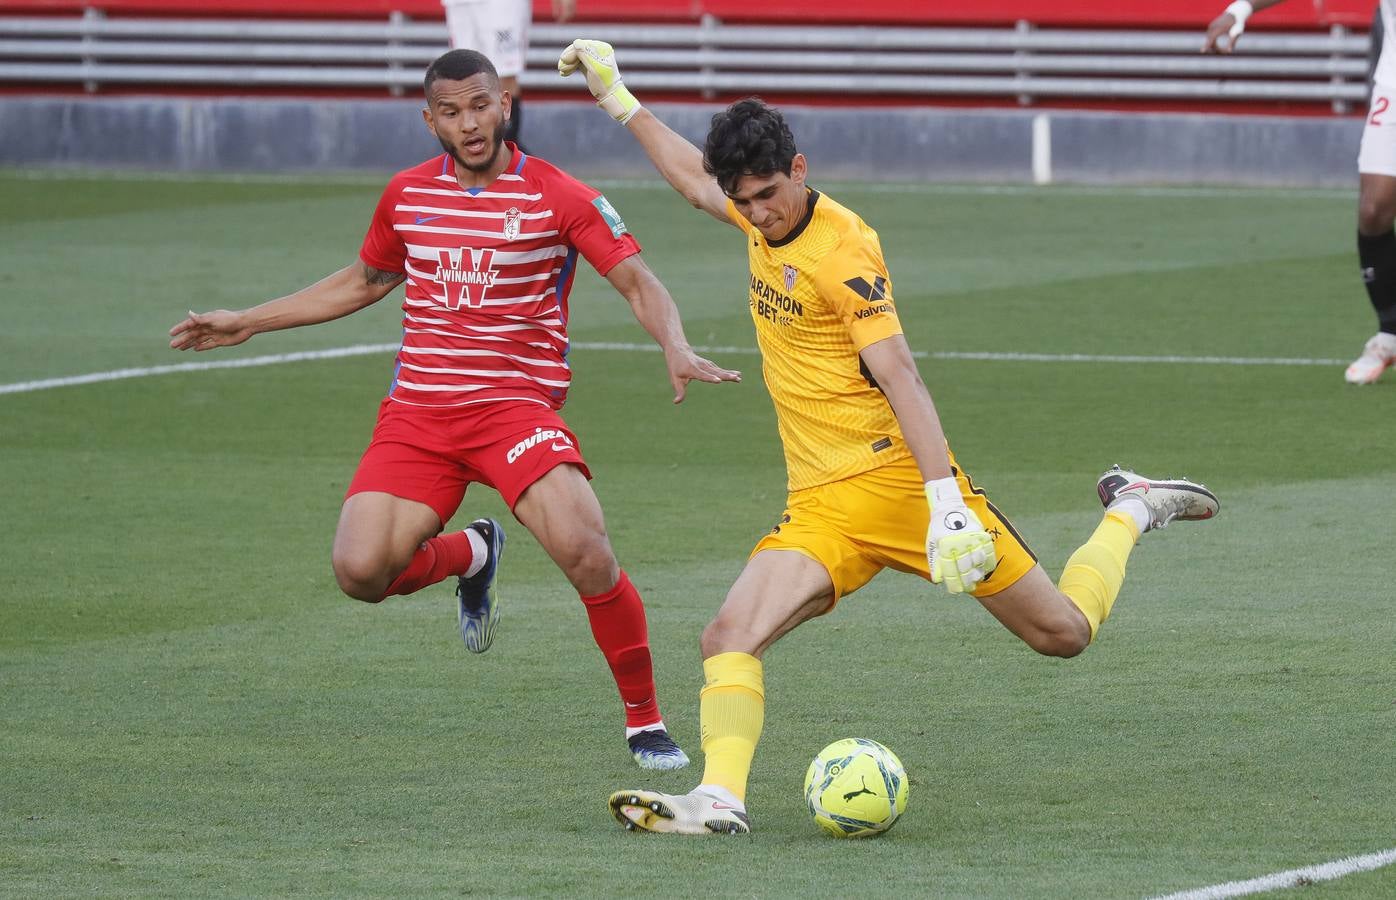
(488, 274)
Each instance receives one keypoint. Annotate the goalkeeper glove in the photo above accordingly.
(959, 550)
(597, 60)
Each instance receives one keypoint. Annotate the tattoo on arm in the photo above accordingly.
(378, 277)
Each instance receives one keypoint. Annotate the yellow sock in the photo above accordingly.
(732, 706)
(1096, 570)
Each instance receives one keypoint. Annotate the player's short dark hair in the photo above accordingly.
(747, 138)
(458, 65)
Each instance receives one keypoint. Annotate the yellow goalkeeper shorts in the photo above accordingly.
(858, 526)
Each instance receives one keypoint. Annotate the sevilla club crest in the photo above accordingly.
(791, 273)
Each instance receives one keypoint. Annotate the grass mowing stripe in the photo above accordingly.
(1293, 878)
(22, 387)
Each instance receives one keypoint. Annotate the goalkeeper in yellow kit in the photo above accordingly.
(872, 482)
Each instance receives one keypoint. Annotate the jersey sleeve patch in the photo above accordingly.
(610, 216)
(592, 225)
(872, 291)
(876, 300)
(854, 278)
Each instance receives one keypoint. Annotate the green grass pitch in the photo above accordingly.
(190, 707)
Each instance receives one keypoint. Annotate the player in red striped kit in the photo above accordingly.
(486, 239)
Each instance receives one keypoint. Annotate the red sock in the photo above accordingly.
(618, 624)
(442, 556)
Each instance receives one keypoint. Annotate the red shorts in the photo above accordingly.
(431, 455)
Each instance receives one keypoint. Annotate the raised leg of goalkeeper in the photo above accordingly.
(1061, 619)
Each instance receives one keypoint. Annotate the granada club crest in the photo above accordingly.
(466, 273)
(790, 275)
(511, 223)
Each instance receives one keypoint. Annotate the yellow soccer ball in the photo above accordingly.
(855, 788)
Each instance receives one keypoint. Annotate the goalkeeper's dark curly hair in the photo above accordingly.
(747, 138)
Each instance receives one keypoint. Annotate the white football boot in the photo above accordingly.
(693, 813)
(1377, 356)
(1165, 500)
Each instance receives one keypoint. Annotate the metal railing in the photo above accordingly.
(706, 58)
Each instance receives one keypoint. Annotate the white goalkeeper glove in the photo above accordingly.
(597, 60)
(959, 550)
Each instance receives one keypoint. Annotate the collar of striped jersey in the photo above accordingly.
(517, 158)
(798, 230)
(516, 162)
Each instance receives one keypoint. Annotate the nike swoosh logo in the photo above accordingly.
(1142, 485)
(718, 804)
(421, 219)
(561, 447)
(635, 705)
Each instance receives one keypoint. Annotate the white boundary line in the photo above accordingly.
(23, 387)
(1293, 878)
(992, 356)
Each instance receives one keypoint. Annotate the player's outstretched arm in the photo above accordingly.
(674, 156)
(1227, 28)
(959, 551)
(656, 312)
(350, 289)
(681, 164)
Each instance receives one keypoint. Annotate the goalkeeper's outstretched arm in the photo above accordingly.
(680, 163)
(674, 156)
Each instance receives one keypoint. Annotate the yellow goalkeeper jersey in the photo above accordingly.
(818, 296)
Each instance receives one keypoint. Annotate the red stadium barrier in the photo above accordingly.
(1297, 14)
(1190, 16)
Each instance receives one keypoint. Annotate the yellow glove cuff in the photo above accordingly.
(620, 104)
